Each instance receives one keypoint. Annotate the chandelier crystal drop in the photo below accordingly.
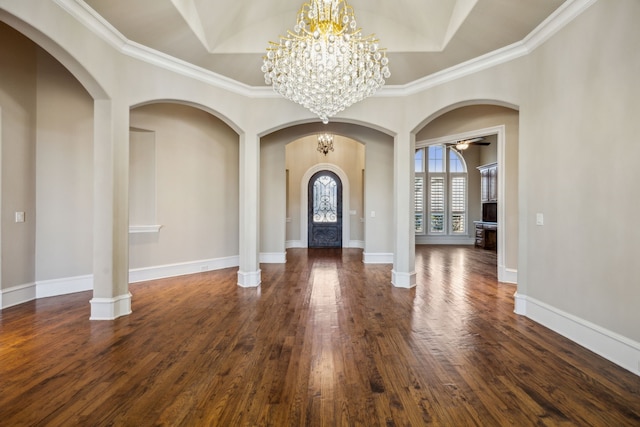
(325, 64)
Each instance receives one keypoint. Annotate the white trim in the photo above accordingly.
(17, 295)
(356, 244)
(273, 257)
(293, 244)
(507, 275)
(562, 16)
(612, 346)
(304, 207)
(181, 269)
(84, 14)
(425, 239)
(63, 286)
(403, 280)
(110, 308)
(68, 285)
(520, 304)
(144, 228)
(359, 244)
(249, 279)
(567, 12)
(377, 258)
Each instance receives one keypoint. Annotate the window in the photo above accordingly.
(440, 191)
(325, 199)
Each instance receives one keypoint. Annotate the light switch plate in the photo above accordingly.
(539, 219)
(19, 216)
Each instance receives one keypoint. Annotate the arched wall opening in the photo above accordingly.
(81, 74)
(183, 191)
(499, 122)
(363, 157)
(47, 108)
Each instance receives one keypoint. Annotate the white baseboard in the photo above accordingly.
(181, 269)
(249, 279)
(403, 280)
(110, 308)
(66, 285)
(520, 304)
(507, 275)
(17, 295)
(444, 240)
(612, 346)
(273, 257)
(377, 258)
(298, 244)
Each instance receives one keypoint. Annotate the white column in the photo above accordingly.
(249, 271)
(403, 273)
(111, 297)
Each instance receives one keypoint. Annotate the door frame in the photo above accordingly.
(304, 205)
(311, 225)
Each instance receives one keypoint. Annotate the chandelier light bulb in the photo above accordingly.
(325, 64)
(325, 143)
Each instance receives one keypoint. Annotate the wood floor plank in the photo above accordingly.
(325, 341)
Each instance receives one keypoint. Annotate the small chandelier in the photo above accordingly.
(325, 63)
(325, 143)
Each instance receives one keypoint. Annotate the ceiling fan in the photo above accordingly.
(465, 143)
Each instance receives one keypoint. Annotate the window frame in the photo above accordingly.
(426, 176)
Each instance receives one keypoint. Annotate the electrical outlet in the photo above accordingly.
(19, 216)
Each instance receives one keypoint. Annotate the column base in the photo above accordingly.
(110, 308)
(403, 280)
(249, 279)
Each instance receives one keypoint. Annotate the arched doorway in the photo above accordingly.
(324, 210)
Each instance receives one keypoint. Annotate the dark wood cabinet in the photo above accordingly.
(487, 229)
(486, 235)
(488, 182)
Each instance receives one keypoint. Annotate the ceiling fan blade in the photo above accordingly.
(474, 140)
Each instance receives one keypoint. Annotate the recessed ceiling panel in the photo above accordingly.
(230, 37)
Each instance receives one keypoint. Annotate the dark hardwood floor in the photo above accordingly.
(326, 340)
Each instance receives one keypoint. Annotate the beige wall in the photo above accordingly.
(18, 65)
(579, 168)
(196, 198)
(273, 198)
(64, 194)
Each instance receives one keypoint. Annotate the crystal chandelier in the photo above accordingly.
(325, 143)
(325, 63)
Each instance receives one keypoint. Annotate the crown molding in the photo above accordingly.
(93, 21)
(562, 16)
(84, 14)
(566, 13)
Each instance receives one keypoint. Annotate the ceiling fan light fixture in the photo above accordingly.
(462, 145)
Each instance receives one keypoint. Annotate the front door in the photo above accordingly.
(325, 210)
